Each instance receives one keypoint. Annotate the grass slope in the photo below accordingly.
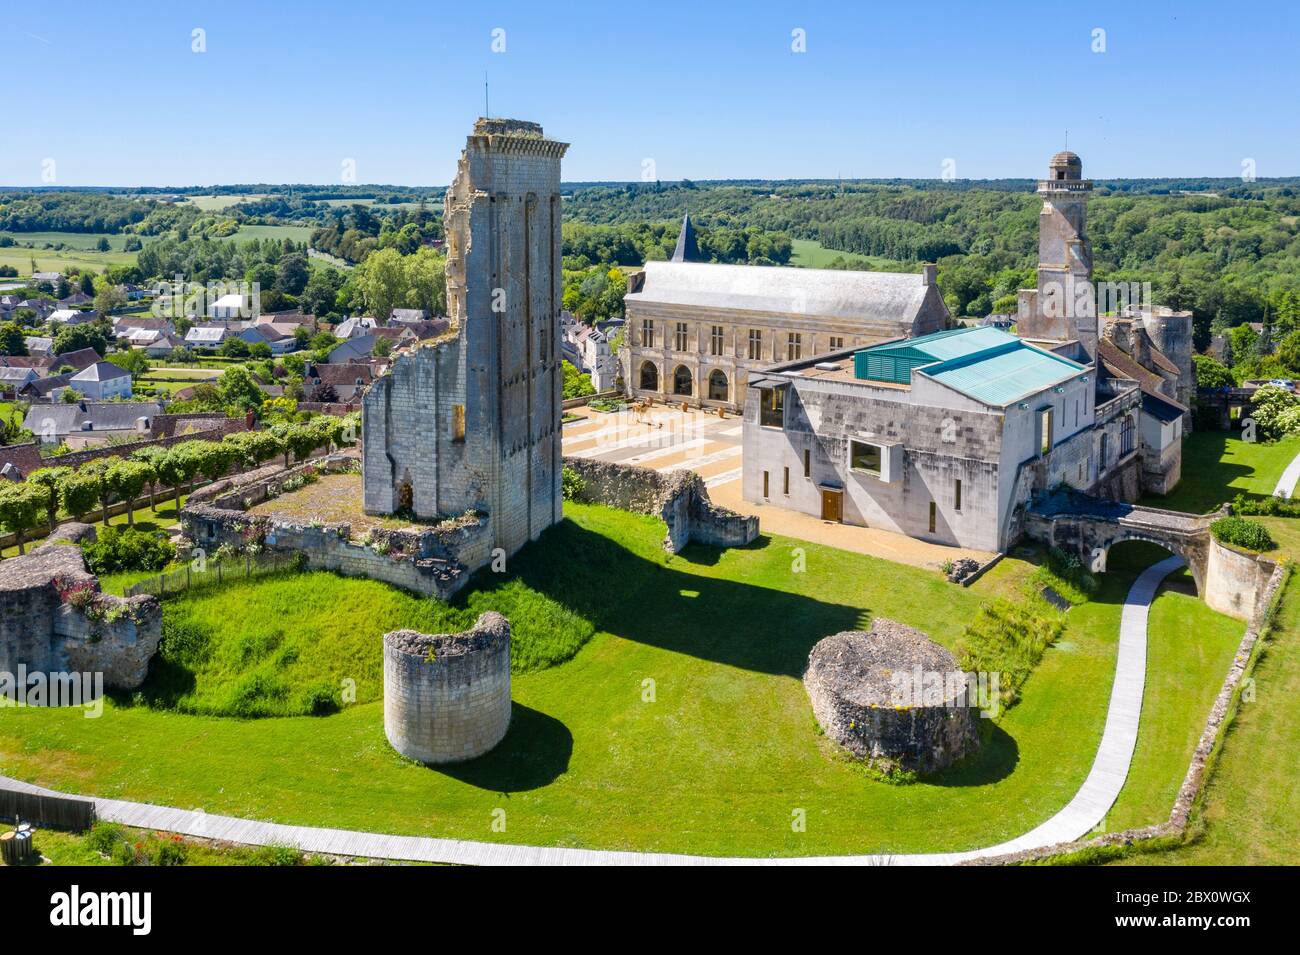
(715, 760)
(1217, 466)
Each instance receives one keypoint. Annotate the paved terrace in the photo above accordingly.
(666, 439)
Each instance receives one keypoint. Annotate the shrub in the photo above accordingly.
(277, 855)
(104, 837)
(1265, 506)
(1008, 639)
(572, 484)
(1240, 532)
(118, 549)
(320, 700)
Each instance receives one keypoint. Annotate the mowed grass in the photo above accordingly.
(246, 233)
(1250, 810)
(1189, 651)
(49, 260)
(83, 241)
(1218, 465)
(681, 724)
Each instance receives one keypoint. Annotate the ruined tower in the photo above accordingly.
(472, 421)
(1063, 306)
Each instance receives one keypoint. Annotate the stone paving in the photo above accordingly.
(666, 438)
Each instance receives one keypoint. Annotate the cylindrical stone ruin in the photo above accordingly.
(447, 696)
(892, 697)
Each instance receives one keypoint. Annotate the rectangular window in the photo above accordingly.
(771, 410)
(755, 344)
(807, 463)
(1045, 436)
(765, 494)
(933, 516)
(458, 422)
(864, 457)
(793, 346)
(836, 343)
(679, 341)
(648, 332)
(715, 340)
(786, 479)
(956, 495)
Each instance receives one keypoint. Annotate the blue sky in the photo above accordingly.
(285, 92)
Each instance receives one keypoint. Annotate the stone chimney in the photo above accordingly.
(929, 273)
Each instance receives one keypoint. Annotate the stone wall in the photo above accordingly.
(53, 617)
(678, 498)
(447, 697)
(1235, 579)
(436, 560)
(472, 422)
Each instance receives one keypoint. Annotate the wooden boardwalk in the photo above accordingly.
(1083, 813)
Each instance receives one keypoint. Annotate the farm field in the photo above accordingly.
(715, 764)
(298, 233)
(812, 255)
(48, 260)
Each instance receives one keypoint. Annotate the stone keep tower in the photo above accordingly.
(472, 421)
(1063, 306)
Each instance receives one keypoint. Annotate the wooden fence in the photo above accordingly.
(52, 812)
(215, 573)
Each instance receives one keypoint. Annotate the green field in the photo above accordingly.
(48, 260)
(80, 241)
(810, 254)
(217, 203)
(298, 233)
(716, 763)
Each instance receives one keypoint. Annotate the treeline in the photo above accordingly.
(358, 230)
(633, 244)
(55, 490)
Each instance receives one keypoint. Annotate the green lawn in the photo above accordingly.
(1250, 813)
(1217, 466)
(299, 233)
(82, 241)
(49, 260)
(716, 763)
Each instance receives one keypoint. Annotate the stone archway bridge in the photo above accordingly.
(1227, 579)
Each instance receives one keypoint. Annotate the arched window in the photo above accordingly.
(1127, 435)
(649, 376)
(717, 385)
(682, 381)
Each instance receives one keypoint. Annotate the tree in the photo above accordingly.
(126, 479)
(50, 481)
(292, 275)
(78, 493)
(150, 457)
(108, 296)
(576, 384)
(426, 281)
(1212, 373)
(260, 351)
(214, 458)
(179, 466)
(12, 339)
(132, 360)
(237, 389)
(382, 281)
(19, 506)
(97, 473)
(234, 347)
(76, 337)
(102, 245)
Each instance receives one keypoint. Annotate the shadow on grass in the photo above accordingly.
(1207, 478)
(736, 623)
(534, 753)
(997, 759)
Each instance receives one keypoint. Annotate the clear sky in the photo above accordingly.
(287, 91)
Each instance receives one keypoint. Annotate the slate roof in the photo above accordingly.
(101, 371)
(688, 249)
(1119, 364)
(78, 360)
(102, 415)
(892, 297)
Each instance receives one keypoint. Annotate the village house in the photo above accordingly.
(88, 423)
(103, 381)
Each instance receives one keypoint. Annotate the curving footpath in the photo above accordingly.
(1088, 807)
(1286, 483)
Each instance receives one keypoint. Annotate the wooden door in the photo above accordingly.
(832, 506)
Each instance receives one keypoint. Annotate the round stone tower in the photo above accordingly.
(447, 696)
(892, 697)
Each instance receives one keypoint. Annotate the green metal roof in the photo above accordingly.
(1004, 375)
(986, 364)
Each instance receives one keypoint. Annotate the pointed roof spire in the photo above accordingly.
(688, 250)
